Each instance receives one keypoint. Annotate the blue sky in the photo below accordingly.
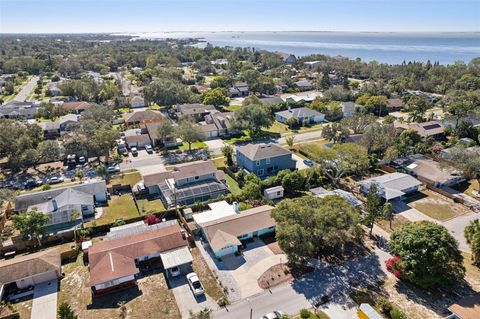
(63, 16)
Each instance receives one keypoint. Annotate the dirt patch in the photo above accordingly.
(274, 276)
(397, 222)
(208, 279)
(24, 307)
(272, 244)
(437, 206)
(150, 299)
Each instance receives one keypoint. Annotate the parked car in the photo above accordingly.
(31, 183)
(308, 162)
(54, 180)
(149, 148)
(134, 151)
(113, 169)
(273, 315)
(82, 160)
(195, 284)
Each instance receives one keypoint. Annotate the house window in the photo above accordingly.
(257, 163)
(260, 172)
(267, 160)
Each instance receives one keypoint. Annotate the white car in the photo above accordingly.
(134, 151)
(195, 284)
(54, 180)
(273, 315)
(113, 169)
(149, 148)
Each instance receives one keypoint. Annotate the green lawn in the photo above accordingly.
(200, 144)
(311, 148)
(156, 107)
(320, 315)
(219, 162)
(150, 206)
(283, 129)
(233, 185)
(233, 108)
(118, 207)
(130, 178)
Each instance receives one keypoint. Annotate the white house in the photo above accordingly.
(301, 114)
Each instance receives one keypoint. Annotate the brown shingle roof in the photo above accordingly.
(134, 139)
(143, 116)
(467, 308)
(248, 221)
(110, 259)
(395, 103)
(424, 129)
(29, 265)
(75, 106)
(182, 171)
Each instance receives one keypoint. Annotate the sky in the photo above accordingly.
(86, 16)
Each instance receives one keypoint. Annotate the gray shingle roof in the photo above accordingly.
(256, 152)
(299, 112)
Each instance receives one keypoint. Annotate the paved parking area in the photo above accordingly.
(45, 300)
(240, 273)
(299, 162)
(186, 301)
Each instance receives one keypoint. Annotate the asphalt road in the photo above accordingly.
(332, 281)
(26, 90)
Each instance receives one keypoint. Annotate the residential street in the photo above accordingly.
(26, 90)
(333, 281)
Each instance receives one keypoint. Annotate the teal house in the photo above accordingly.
(226, 234)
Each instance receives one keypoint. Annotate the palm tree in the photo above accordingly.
(290, 141)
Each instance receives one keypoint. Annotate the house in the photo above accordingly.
(114, 263)
(429, 171)
(239, 89)
(75, 107)
(348, 108)
(310, 65)
(349, 197)
(138, 141)
(219, 62)
(467, 308)
(54, 89)
(391, 186)
(147, 116)
(51, 130)
(264, 159)
(446, 153)
(271, 100)
(61, 204)
(29, 270)
(287, 57)
(273, 193)
(433, 129)
(225, 235)
(187, 183)
(15, 109)
(303, 85)
(152, 130)
(197, 111)
(217, 124)
(217, 210)
(137, 101)
(395, 104)
(301, 114)
(67, 121)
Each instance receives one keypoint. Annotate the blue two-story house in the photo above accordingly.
(264, 159)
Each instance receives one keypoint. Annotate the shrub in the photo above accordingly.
(305, 313)
(384, 305)
(396, 313)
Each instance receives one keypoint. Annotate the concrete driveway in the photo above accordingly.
(186, 301)
(45, 300)
(299, 162)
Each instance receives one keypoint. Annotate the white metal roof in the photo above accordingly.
(217, 210)
(176, 257)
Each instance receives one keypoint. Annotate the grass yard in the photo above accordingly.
(156, 107)
(208, 279)
(436, 206)
(232, 108)
(397, 222)
(150, 206)
(219, 162)
(232, 185)
(24, 307)
(319, 315)
(311, 149)
(283, 129)
(200, 144)
(472, 274)
(152, 299)
(118, 207)
(468, 188)
(130, 178)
